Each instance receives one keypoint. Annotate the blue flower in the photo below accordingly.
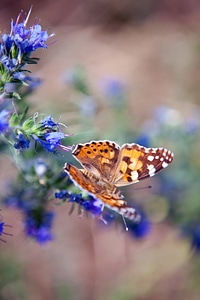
(16, 47)
(10, 64)
(50, 141)
(21, 142)
(3, 120)
(26, 39)
(63, 194)
(48, 123)
(39, 227)
(94, 206)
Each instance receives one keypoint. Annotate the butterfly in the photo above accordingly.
(107, 166)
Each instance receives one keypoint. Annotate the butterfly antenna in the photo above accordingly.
(143, 187)
(124, 221)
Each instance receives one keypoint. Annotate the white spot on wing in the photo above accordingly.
(150, 157)
(164, 164)
(152, 170)
(134, 175)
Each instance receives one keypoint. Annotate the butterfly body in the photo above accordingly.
(107, 166)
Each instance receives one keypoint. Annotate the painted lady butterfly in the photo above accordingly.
(107, 166)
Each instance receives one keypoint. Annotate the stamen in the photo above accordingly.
(19, 16)
(26, 20)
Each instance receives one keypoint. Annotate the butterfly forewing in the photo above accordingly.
(137, 163)
(99, 157)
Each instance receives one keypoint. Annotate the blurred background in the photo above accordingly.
(127, 71)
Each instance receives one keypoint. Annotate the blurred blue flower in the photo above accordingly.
(143, 139)
(140, 229)
(3, 120)
(195, 235)
(2, 227)
(192, 123)
(39, 226)
(166, 115)
(113, 88)
(40, 167)
(21, 142)
(77, 78)
(32, 82)
(114, 91)
(90, 204)
(21, 198)
(88, 107)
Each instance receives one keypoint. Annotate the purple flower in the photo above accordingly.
(38, 225)
(3, 120)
